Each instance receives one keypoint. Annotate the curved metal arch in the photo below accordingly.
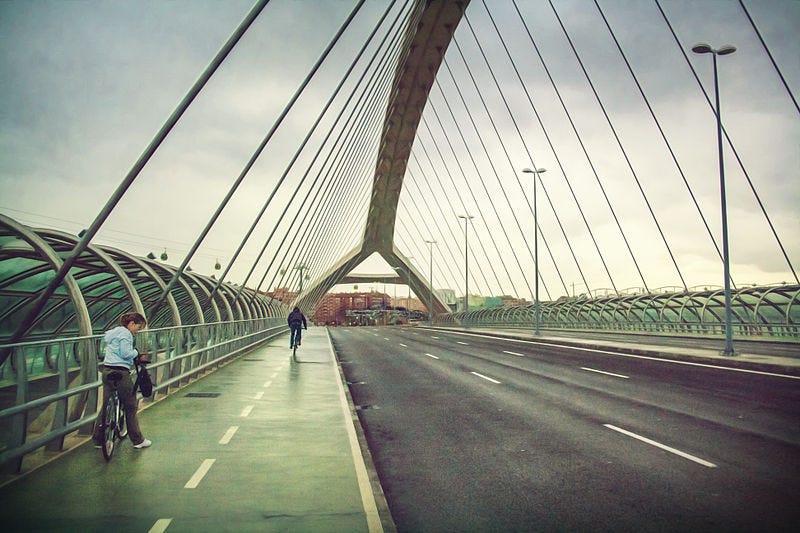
(144, 266)
(49, 255)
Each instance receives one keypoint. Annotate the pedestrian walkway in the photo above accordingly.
(698, 352)
(262, 444)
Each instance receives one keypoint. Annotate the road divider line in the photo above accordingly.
(464, 343)
(487, 378)
(604, 372)
(403, 345)
(259, 395)
(200, 474)
(514, 353)
(434, 337)
(161, 525)
(246, 410)
(267, 384)
(431, 356)
(226, 438)
(662, 446)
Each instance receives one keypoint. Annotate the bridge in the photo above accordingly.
(529, 151)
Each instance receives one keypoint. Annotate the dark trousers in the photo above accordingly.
(296, 335)
(129, 403)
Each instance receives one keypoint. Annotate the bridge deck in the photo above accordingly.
(279, 440)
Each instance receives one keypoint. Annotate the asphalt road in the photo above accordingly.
(470, 433)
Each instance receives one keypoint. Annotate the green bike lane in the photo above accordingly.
(262, 444)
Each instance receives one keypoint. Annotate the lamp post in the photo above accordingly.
(536, 174)
(466, 218)
(703, 48)
(430, 280)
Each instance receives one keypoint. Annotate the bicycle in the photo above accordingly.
(114, 428)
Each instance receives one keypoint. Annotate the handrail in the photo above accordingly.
(180, 354)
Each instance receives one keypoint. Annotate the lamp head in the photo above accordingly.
(726, 49)
(531, 171)
(702, 48)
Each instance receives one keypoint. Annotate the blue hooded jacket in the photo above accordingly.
(119, 347)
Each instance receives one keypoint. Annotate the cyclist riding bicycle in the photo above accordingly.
(296, 321)
(120, 356)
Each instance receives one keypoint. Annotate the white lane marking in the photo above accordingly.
(273, 376)
(514, 353)
(259, 395)
(161, 525)
(431, 355)
(267, 384)
(246, 410)
(198, 476)
(464, 343)
(434, 337)
(606, 373)
(386, 338)
(364, 485)
(487, 378)
(662, 446)
(618, 354)
(403, 345)
(226, 438)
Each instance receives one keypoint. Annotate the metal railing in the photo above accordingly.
(50, 389)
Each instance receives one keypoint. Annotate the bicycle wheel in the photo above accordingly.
(123, 427)
(110, 425)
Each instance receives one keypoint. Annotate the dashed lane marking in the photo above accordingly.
(431, 356)
(514, 353)
(246, 410)
(198, 476)
(403, 345)
(267, 384)
(161, 525)
(487, 378)
(226, 438)
(662, 446)
(604, 372)
(464, 343)
(259, 395)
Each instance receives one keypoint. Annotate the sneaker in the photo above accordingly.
(144, 444)
(98, 445)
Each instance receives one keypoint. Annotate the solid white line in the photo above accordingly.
(161, 525)
(267, 384)
(198, 476)
(487, 378)
(514, 353)
(403, 345)
(364, 486)
(226, 438)
(259, 395)
(619, 354)
(662, 446)
(246, 410)
(431, 355)
(464, 343)
(606, 373)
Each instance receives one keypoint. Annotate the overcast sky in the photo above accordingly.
(85, 86)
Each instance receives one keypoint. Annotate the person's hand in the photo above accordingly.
(143, 358)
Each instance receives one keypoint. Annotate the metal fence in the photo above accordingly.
(50, 389)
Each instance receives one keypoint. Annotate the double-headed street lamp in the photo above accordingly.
(724, 50)
(430, 280)
(536, 174)
(466, 218)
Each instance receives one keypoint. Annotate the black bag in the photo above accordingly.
(143, 381)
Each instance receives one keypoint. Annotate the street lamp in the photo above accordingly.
(536, 173)
(466, 218)
(724, 50)
(430, 280)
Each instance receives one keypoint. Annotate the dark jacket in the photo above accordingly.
(296, 318)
